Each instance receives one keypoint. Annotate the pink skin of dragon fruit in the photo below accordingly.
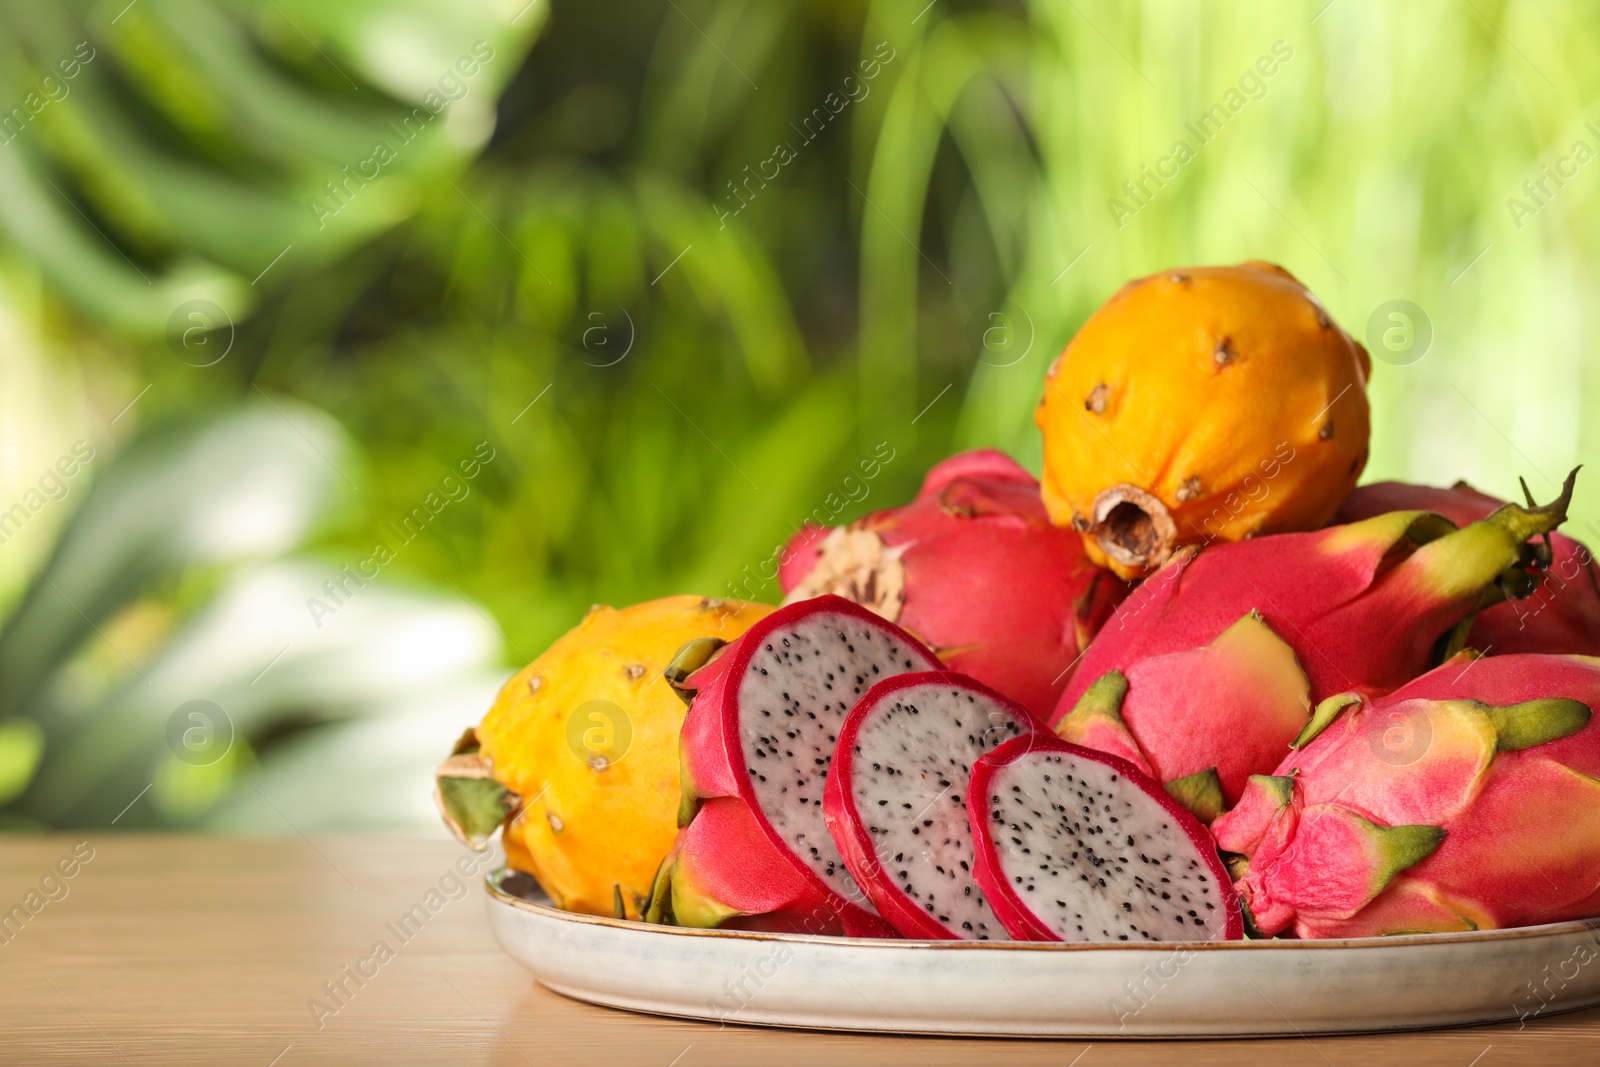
(1561, 615)
(755, 851)
(1206, 673)
(896, 799)
(800, 555)
(1468, 799)
(1077, 845)
(974, 568)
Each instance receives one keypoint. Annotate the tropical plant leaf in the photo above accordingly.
(179, 149)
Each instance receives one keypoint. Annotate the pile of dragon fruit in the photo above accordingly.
(1193, 683)
(1297, 734)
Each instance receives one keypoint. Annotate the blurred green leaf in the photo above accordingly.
(181, 149)
(212, 492)
(21, 744)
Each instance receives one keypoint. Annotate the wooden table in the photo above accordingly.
(191, 950)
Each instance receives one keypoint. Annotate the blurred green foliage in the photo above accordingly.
(680, 266)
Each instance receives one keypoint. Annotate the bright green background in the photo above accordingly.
(904, 278)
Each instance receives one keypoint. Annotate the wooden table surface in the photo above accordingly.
(194, 950)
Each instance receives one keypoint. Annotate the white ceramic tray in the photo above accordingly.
(1051, 990)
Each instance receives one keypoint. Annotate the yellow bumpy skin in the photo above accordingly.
(1202, 404)
(578, 757)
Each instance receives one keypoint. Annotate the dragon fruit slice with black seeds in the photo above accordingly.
(1077, 845)
(896, 799)
(754, 851)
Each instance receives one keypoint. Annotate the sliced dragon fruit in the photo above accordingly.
(896, 799)
(1076, 845)
(755, 851)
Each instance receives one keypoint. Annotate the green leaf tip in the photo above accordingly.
(1322, 717)
(658, 905)
(1400, 847)
(474, 808)
(689, 658)
(688, 798)
(1536, 722)
(1103, 697)
(1201, 793)
(470, 801)
(1525, 522)
(1280, 787)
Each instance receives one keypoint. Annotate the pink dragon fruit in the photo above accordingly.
(754, 851)
(1076, 845)
(1205, 675)
(1561, 614)
(1468, 799)
(896, 799)
(800, 555)
(974, 568)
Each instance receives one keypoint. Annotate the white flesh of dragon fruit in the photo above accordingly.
(913, 760)
(800, 685)
(1095, 857)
